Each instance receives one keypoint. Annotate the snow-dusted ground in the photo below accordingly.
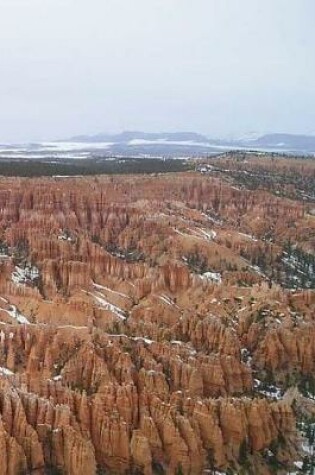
(248, 236)
(211, 472)
(167, 300)
(307, 430)
(16, 315)
(205, 234)
(210, 235)
(212, 277)
(268, 390)
(75, 146)
(299, 272)
(58, 150)
(128, 145)
(104, 304)
(197, 233)
(246, 357)
(5, 371)
(134, 338)
(23, 275)
(141, 338)
(102, 287)
(213, 220)
(57, 378)
(184, 143)
(65, 237)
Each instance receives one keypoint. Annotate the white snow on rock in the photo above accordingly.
(16, 315)
(65, 237)
(134, 338)
(100, 298)
(269, 391)
(208, 471)
(57, 378)
(24, 275)
(257, 270)
(180, 233)
(197, 233)
(212, 277)
(212, 219)
(141, 338)
(167, 300)
(210, 235)
(248, 236)
(6, 371)
(102, 287)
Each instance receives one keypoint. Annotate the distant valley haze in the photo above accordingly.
(155, 145)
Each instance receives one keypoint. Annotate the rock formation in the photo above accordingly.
(143, 330)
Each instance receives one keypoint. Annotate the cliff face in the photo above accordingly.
(139, 336)
(99, 409)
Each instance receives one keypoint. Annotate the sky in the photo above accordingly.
(220, 67)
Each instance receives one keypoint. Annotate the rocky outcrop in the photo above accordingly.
(104, 406)
(138, 334)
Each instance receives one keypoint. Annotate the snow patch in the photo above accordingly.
(268, 390)
(16, 315)
(6, 371)
(101, 287)
(65, 237)
(210, 235)
(248, 236)
(212, 277)
(166, 299)
(25, 275)
(141, 338)
(100, 298)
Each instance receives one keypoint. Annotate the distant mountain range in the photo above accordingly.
(127, 136)
(191, 142)
(144, 144)
(301, 143)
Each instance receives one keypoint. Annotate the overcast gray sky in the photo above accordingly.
(218, 67)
